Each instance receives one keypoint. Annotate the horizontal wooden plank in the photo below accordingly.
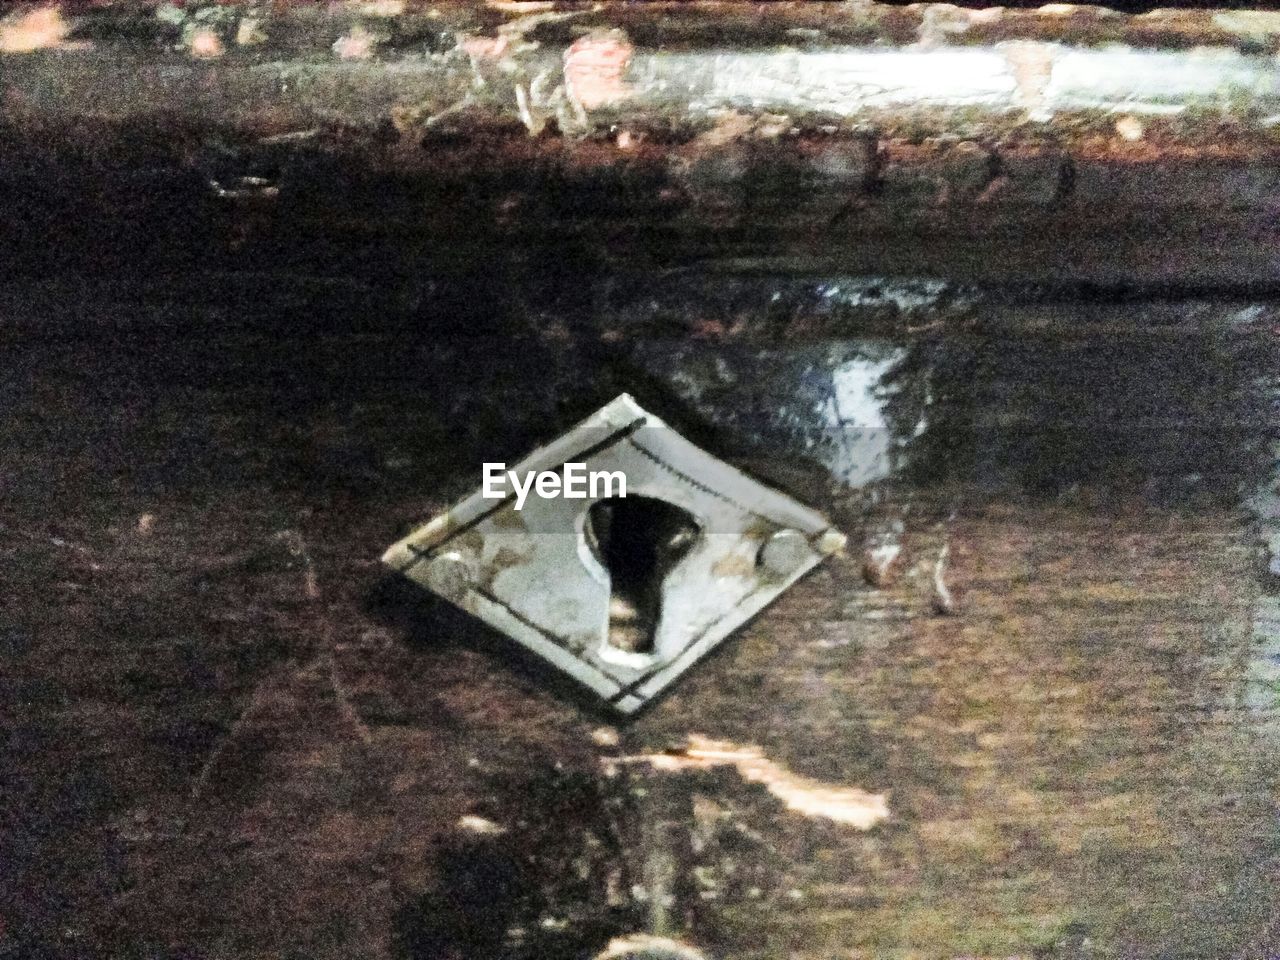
(226, 735)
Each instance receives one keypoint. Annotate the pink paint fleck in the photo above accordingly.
(39, 29)
(594, 67)
(356, 45)
(206, 44)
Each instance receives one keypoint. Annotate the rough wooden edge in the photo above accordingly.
(588, 70)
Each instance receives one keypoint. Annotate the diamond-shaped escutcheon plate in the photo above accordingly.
(623, 593)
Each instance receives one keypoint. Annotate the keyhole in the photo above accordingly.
(639, 540)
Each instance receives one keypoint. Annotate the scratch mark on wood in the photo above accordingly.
(944, 600)
(345, 704)
(311, 585)
(849, 805)
(256, 699)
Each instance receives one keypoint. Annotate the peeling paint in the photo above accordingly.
(1032, 65)
(381, 8)
(249, 32)
(594, 66)
(27, 31)
(939, 22)
(358, 44)
(928, 68)
(840, 80)
(1249, 23)
(484, 48)
(879, 562)
(1130, 128)
(1154, 81)
(944, 601)
(204, 43)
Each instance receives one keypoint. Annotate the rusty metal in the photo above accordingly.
(541, 575)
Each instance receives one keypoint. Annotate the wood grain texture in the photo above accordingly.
(228, 736)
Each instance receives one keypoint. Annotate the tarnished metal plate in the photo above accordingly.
(715, 548)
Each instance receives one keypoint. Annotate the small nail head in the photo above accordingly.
(784, 553)
(450, 574)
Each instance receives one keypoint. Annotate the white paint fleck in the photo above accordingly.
(1256, 24)
(249, 32)
(644, 945)
(1130, 128)
(605, 736)
(381, 8)
(474, 824)
(26, 31)
(864, 453)
(856, 384)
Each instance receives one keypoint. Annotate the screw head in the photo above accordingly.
(451, 574)
(784, 553)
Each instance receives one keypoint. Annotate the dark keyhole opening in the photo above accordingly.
(638, 540)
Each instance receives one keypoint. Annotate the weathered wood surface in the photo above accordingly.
(1035, 146)
(239, 358)
(346, 206)
(227, 736)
